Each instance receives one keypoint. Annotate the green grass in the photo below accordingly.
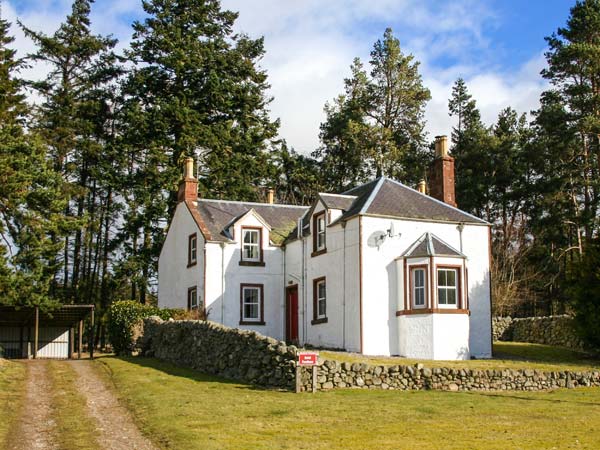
(507, 355)
(183, 409)
(75, 430)
(12, 394)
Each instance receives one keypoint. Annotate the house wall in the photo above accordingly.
(223, 293)
(339, 265)
(383, 288)
(175, 277)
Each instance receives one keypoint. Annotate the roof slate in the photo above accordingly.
(217, 214)
(430, 245)
(337, 201)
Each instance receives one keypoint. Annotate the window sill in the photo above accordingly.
(246, 322)
(410, 312)
(318, 321)
(192, 264)
(318, 252)
(252, 263)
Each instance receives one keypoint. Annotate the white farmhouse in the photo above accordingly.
(381, 269)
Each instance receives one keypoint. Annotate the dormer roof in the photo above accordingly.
(431, 245)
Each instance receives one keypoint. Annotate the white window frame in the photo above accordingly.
(258, 290)
(455, 288)
(321, 300)
(414, 287)
(193, 305)
(256, 245)
(192, 249)
(321, 234)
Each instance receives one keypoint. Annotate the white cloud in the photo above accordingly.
(310, 45)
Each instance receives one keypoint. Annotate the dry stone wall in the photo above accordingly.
(218, 350)
(551, 330)
(250, 357)
(333, 374)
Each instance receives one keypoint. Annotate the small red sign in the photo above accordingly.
(307, 359)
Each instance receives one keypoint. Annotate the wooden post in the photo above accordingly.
(79, 339)
(71, 342)
(314, 379)
(298, 378)
(36, 332)
(92, 336)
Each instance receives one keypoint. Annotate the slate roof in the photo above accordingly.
(380, 197)
(337, 201)
(215, 215)
(385, 197)
(430, 245)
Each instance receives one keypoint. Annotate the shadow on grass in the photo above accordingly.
(538, 397)
(191, 374)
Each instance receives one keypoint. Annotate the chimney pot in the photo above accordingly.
(441, 146)
(271, 196)
(188, 187)
(422, 187)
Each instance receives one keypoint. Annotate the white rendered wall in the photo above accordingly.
(451, 336)
(383, 291)
(174, 276)
(339, 265)
(223, 293)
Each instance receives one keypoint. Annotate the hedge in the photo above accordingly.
(123, 317)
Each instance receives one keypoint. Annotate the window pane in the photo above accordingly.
(251, 311)
(320, 224)
(322, 290)
(441, 277)
(322, 307)
(251, 236)
(451, 296)
(442, 296)
(420, 296)
(250, 295)
(451, 277)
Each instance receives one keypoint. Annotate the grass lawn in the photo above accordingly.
(74, 429)
(507, 355)
(182, 409)
(12, 394)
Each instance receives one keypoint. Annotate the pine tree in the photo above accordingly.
(31, 197)
(196, 90)
(377, 127)
(75, 121)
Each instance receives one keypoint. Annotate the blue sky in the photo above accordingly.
(497, 46)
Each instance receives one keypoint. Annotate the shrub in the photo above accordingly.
(585, 294)
(123, 316)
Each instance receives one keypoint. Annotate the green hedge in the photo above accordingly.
(122, 318)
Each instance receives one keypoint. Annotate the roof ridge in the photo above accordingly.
(337, 195)
(438, 201)
(216, 200)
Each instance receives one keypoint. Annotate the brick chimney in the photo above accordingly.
(441, 173)
(188, 186)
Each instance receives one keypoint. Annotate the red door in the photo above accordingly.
(291, 314)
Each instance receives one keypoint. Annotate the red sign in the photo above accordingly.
(307, 359)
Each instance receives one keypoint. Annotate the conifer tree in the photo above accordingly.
(196, 90)
(31, 199)
(377, 126)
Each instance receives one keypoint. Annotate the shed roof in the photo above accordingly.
(65, 316)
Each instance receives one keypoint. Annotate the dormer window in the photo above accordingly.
(252, 246)
(192, 249)
(319, 234)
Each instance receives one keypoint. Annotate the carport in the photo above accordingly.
(29, 332)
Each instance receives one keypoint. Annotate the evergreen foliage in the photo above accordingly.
(376, 127)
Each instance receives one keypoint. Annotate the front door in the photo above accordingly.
(291, 314)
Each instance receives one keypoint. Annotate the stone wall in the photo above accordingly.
(333, 374)
(551, 330)
(250, 357)
(218, 350)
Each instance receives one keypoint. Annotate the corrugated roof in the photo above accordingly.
(217, 214)
(430, 245)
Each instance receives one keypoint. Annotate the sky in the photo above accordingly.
(496, 46)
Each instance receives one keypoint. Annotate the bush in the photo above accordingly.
(123, 316)
(585, 293)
